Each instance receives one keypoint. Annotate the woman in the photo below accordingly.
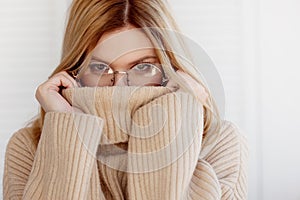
(123, 117)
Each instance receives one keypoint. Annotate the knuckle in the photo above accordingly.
(41, 88)
(64, 73)
(38, 92)
(59, 74)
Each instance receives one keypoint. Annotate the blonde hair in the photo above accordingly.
(89, 20)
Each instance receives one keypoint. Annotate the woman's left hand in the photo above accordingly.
(196, 87)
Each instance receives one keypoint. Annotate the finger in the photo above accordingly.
(59, 80)
(70, 78)
(172, 85)
(196, 87)
(67, 76)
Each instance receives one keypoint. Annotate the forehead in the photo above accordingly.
(113, 45)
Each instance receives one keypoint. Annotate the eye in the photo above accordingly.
(98, 67)
(144, 67)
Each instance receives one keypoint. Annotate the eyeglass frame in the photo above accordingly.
(164, 81)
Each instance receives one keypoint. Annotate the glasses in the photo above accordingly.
(100, 74)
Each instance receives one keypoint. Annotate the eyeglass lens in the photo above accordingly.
(100, 74)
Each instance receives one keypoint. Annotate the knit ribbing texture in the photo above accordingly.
(130, 143)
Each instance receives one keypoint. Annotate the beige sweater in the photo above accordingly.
(131, 143)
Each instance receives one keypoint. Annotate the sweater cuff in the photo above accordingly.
(66, 151)
(83, 128)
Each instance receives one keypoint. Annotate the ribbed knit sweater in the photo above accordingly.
(130, 143)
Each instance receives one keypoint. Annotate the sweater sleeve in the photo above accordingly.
(164, 147)
(164, 150)
(62, 165)
(19, 157)
(223, 163)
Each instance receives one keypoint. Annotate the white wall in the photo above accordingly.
(254, 44)
(228, 31)
(279, 77)
(30, 40)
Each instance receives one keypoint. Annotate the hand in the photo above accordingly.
(197, 88)
(48, 94)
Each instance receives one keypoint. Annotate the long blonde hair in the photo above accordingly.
(89, 20)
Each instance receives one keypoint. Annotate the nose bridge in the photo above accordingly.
(120, 78)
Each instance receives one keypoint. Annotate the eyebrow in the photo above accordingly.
(131, 63)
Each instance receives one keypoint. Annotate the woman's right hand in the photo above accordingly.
(48, 94)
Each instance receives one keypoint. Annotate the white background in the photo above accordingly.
(254, 43)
